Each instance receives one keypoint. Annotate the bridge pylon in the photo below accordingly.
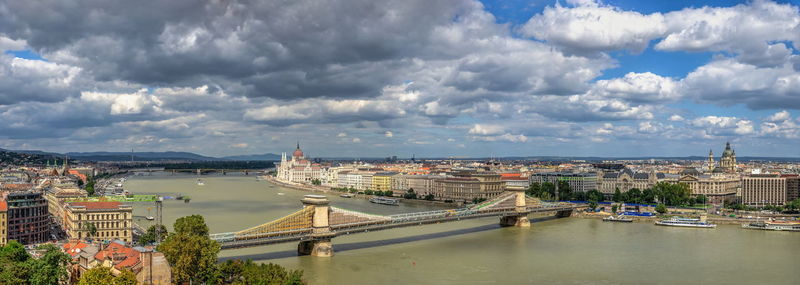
(319, 244)
(520, 217)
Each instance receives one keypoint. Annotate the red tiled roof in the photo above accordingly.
(97, 205)
(509, 175)
(70, 247)
(3, 206)
(130, 254)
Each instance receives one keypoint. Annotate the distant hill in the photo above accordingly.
(12, 157)
(254, 157)
(140, 156)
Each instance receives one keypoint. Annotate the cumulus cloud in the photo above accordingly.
(25, 80)
(780, 116)
(676, 118)
(639, 87)
(730, 82)
(715, 125)
(590, 26)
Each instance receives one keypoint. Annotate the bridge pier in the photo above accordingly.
(520, 218)
(320, 244)
(319, 248)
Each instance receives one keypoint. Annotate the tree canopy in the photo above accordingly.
(193, 255)
(248, 272)
(189, 250)
(17, 266)
(103, 275)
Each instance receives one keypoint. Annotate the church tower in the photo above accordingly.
(711, 163)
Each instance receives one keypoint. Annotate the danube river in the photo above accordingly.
(562, 251)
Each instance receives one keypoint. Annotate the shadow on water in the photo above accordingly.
(377, 243)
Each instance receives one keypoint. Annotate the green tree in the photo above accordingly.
(648, 196)
(579, 196)
(155, 233)
(672, 194)
(14, 252)
(97, 275)
(126, 277)
(594, 195)
(548, 188)
(388, 193)
(564, 190)
(248, 272)
(429, 197)
(534, 189)
(51, 268)
(316, 182)
(617, 195)
(368, 192)
(14, 265)
(633, 196)
(190, 252)
(661, 209)
(793, 205)
(614, 208)
(410, 194)
(592, 205)
(701, 199)
(90, 186)
(194, 225)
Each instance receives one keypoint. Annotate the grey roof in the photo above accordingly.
(690, 171)
(611, 175)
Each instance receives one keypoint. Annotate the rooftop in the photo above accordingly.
(96, 205)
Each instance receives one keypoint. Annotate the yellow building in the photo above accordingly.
(382, 181)
(718, 188)
(111, 220)
(3, 223)
(55, 202)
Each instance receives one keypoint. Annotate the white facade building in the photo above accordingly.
(299, 169)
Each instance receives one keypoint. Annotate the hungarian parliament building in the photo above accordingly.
(299, 169)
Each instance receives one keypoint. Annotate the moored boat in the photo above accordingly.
(685, 222)
(619, 219)
(347, 195)
(385, 201)
(772, 225)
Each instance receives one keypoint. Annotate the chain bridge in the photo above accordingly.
(317, 223)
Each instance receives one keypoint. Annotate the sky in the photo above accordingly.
(367, 78)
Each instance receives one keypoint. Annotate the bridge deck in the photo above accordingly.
(231, 241)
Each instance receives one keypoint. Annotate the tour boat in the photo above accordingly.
(200, 182)
(385, 201)
(347, 195)
(771, 225)
(619, 219)
(684, 222)
(150, 218)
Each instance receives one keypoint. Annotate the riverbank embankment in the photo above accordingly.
(328, 190)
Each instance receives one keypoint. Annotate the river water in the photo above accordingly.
(552, 251)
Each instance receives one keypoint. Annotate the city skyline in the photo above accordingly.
(425, 78)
